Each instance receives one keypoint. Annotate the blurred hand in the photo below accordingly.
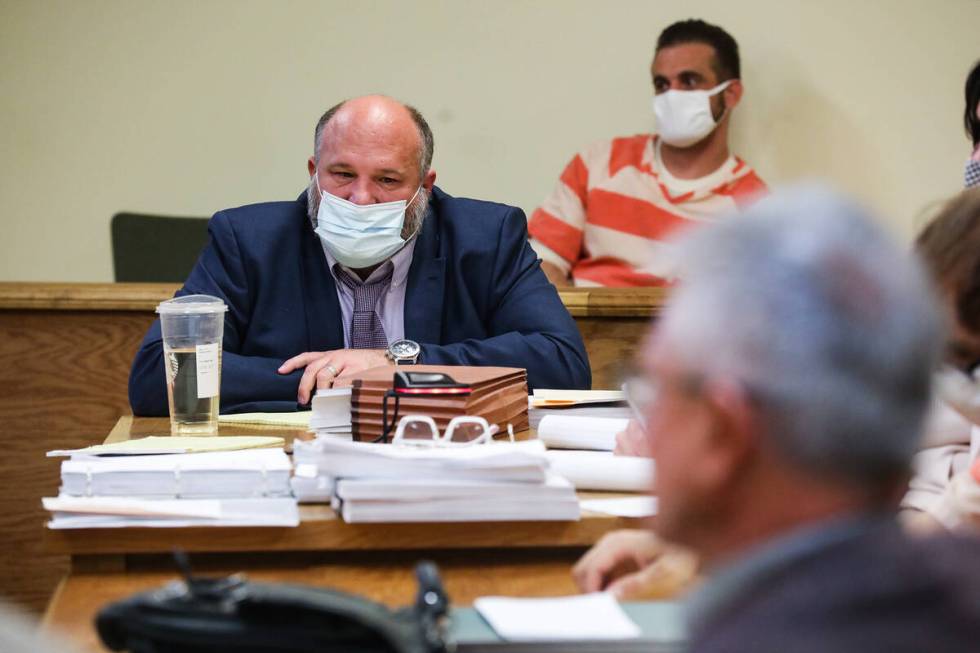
(635, 564)
(632, 441)
(331, 369)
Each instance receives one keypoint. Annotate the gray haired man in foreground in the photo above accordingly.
(792, 369)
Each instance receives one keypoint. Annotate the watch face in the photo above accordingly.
(404, 349)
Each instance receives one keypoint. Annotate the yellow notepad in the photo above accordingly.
(162, 444)
(299, 420)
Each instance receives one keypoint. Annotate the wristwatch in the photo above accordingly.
(403, 352)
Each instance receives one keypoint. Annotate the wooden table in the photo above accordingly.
(376, 560)
(65, 353)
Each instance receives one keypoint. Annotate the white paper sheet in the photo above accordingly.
(106, 512)
(586, 617)
(623, 506)
(601, 470)
(573, 432)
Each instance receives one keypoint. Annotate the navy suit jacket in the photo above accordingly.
(476, 295)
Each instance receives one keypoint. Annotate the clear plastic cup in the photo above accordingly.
(192, 327)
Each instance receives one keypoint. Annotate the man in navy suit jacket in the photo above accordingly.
(471, 293)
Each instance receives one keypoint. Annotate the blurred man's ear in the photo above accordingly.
(732, 439)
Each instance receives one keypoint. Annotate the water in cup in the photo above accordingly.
(192, 327)
(195, 414)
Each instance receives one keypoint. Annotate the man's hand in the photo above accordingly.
(632, 441)
(635, 564)
(331, 369)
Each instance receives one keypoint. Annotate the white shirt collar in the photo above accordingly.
(401, 262)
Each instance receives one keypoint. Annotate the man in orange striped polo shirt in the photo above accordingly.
(617, 202)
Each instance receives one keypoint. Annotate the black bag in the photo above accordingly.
(232, 614)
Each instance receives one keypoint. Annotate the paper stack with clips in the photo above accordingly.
(498, 481)
(169, 482)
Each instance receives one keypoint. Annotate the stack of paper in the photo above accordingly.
(499, 394)
(331, 412)
(499, 481)
(576, 403)
(127, 484)
(572, 432)
(252, 472)
(296, 420)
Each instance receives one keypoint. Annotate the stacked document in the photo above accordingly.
(224, 474)
(499, 395)
(295, 420)
(128, 485)
(499, 481)
(331, 412)
(576, 403)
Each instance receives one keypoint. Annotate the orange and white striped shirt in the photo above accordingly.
(616, 204)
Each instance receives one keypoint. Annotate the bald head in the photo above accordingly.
(378, 121)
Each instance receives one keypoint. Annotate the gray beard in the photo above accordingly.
(414, 212)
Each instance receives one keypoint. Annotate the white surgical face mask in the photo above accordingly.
(360, 236)
(684, 117)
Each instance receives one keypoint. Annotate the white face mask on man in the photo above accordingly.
(357, 235)
(684, 117)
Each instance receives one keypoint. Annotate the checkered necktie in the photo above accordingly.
(972, 173)
(366, 330)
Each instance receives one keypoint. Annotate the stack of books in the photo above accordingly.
(499, 481)
(498, 394)
(166, 484)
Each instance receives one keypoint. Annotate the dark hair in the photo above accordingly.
(950, 248)
(693, 30)
(425, 135)
(972, 93)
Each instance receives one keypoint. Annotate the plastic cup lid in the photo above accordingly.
(191, 304)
